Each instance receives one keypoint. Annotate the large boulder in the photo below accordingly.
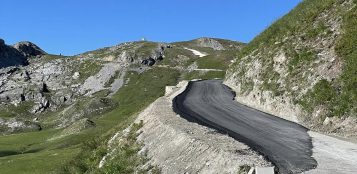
(149, 62)
(29, 49)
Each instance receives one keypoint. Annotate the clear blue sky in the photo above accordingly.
(75, 26)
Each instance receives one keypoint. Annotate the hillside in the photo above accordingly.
(303, 67)
(68, 107)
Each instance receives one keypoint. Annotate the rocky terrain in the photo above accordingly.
(303, 68)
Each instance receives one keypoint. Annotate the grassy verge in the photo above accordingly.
(205, 75)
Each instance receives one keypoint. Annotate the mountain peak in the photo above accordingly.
(28, 49)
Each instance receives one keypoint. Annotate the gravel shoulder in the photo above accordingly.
(333, 155)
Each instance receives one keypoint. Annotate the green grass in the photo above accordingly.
(313, 32)
(146, 49)
(322, 94)
(51, 57)
(300, 58)
(340, 96)
(345, 100)
(21, 110)
(36, 163)
(203, 75)
(126, 159)
(88, 68)
(295, 22)
(172, 59)
(99, 53)
(212, 62)
(32, 153)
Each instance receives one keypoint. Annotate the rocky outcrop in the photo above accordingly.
(10, 56)
(149, 62)
(209, 42)
(29, 49)
(14, 125)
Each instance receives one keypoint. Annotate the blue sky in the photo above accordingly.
(75, 26)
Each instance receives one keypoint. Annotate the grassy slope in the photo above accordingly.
(299, 23)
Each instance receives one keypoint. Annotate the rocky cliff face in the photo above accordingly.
(18, 54)
(29, 49)
(303, 67)
(9, 56)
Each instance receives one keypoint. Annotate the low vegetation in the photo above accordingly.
(19, 110)
(88, 68)
(341, 95)
(205, 75)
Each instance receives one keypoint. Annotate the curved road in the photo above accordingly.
(284, 143)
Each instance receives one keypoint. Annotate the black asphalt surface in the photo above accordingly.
(210, 103)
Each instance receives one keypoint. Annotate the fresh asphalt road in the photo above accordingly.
(284, 143)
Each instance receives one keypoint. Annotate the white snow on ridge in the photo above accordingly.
(197, 53)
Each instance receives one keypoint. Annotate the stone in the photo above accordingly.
(76, 75)
(264, 170)
(327, 121)
(149, 62)
(211, 43)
